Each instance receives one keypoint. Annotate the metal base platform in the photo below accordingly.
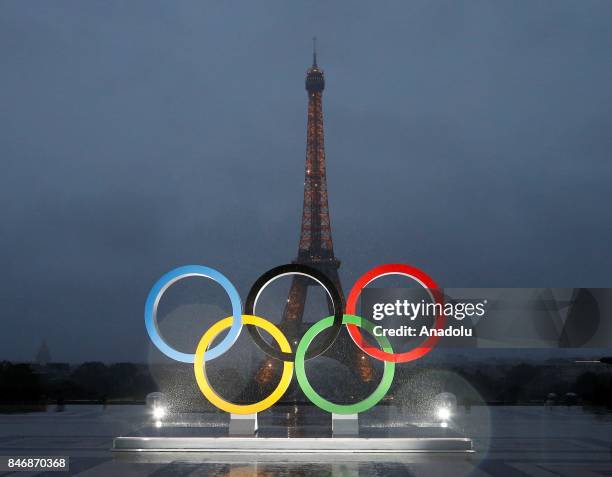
(384, 445)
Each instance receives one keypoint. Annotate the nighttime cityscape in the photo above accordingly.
(365, 239)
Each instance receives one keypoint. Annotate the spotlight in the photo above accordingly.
(444, 414)
(158, 413)
(158, 424)
(444, 407)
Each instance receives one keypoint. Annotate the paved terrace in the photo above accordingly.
(510, 441)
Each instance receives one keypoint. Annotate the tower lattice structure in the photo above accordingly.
(316, 246)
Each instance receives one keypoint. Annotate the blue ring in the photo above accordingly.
(164, 283)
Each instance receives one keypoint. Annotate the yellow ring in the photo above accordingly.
(207, 390)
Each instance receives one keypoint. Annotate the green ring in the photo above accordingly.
(311, 394)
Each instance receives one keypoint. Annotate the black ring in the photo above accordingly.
(294, 269)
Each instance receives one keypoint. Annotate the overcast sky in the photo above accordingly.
(472, 139)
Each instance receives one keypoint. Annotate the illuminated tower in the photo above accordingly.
(316, 247)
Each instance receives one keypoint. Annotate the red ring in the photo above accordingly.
(394, 269)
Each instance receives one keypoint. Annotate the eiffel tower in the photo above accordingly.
(315, 247)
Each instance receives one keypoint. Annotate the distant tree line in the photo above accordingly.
(20, 386)
(30, 386)
(25, 386)
(522, 383)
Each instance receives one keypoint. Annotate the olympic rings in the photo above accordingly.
(395, 269)
(311, 394)
(200, 372)
(253, 322)
(172, 277)
(294, 269)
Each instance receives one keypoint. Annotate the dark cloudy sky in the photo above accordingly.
(472, 139)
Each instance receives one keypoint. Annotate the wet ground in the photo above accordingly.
(509, 441)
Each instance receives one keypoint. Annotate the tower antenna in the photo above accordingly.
(314, 51)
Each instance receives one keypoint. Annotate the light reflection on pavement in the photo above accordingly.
(518, 441)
